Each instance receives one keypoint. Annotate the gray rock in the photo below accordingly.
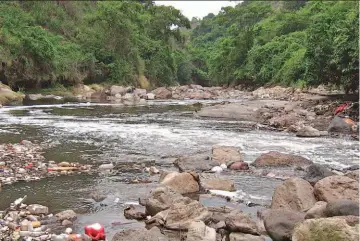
(342, 208)
(218, 184)
(279, 224)
(197, 163)
(161, 199)
(142, 234)
(180, 215)
(238, 221)
(37, 209)
(66, 223)
(316, 172)
(97, 196)
(308, 131)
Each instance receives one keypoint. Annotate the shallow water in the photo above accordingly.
(157, 132)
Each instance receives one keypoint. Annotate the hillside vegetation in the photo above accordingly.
(298, 43)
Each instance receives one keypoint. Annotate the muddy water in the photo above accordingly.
(148, 134)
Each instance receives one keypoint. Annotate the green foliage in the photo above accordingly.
(44, 43)
(296, 43)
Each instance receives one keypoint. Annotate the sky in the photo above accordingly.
(198, 8)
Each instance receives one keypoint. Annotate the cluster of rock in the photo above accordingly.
(322, 206)
(25, 162)
(34, 222)
(8, 96)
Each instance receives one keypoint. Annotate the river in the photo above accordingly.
(156, 133)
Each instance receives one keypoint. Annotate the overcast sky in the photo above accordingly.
(198, 8)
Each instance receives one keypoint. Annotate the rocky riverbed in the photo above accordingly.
(132, 140)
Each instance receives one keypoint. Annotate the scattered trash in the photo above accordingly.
(95, 231)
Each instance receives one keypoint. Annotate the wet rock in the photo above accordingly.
(37, 209)
(197, 163)
(279, 224)
(199, 232)
(225, 154)
(218, 184)
(180, 215)
(329, 229)
(131, 212)
(181, 182)
(353, 175)
(239, 166)
(162, 93)
(277, 159)
(66, 215)
(342, 208)
(308, 131)
(161, 199)
(238, 221)
(294, 194)
(316, 172)
(244, 237)
(154, 234)
(317, 211)
(342, 125)
(336, 187)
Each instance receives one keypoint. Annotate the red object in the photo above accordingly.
(341, 108)
(30, 165)
(95, 232)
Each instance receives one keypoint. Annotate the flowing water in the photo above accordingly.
(153, 134)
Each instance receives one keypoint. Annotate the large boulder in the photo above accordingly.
(197, 163)
(198, 231)
(141, 93)
(161, 199)
(162, 93)
(154, 234)
(180, 215)
(279, 224)
(226, 154)
(218, 184)
(329, 229)
(277, 159)
(244, 237)
(293, 194)
(308, 131)
(317, 211)
(238, 221)
(336, 187)
(316, 172)
(342, 208)
(181, 182)
(342, 125)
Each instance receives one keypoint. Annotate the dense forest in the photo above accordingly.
(298, 43)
